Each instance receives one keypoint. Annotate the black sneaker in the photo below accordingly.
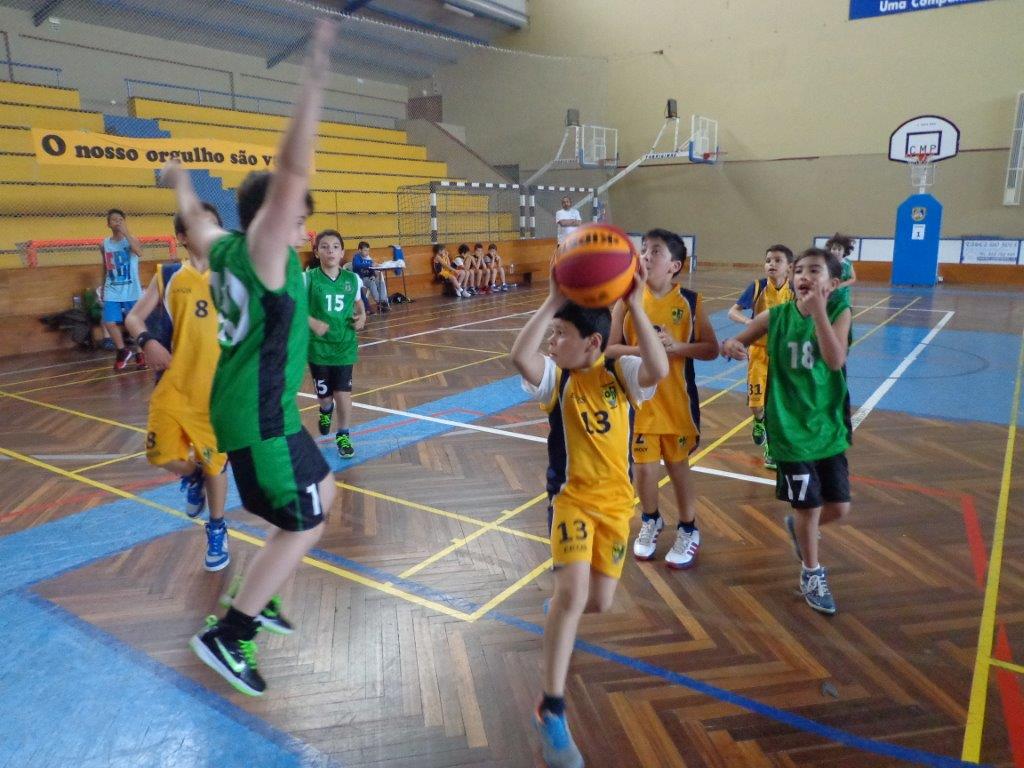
(345, 448)
(325, 421)
(272, 620)
(232, 659)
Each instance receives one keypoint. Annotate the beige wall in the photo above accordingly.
(794, 79)
(99, 75)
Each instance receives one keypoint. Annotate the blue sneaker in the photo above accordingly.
(195, 493)
(814, 585)
(557, 746)
(217, 555)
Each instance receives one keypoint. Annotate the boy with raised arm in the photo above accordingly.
(590, 401)
(256, 282)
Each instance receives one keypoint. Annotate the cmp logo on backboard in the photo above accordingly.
(866, 9)
(918, 214)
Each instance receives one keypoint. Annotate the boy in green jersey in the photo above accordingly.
(335, 314)
(841, 246)
(256, 284)
(808, 407)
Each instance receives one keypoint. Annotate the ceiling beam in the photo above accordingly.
(283, 53)
(354, 5)
(44, 11)
(428, 26)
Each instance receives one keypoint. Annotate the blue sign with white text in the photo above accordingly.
(866, 9)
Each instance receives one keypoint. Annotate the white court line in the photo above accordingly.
(876, 396)
(733, 475)
(489, 330)
(450, 423)
(905, 309)
(446, 328)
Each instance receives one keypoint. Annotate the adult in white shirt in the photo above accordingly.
(567, 219)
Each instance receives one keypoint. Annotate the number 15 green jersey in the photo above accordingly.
(333, 302)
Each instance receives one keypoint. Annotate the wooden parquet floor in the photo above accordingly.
(701, 668)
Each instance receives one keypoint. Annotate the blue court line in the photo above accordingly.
(108, 704)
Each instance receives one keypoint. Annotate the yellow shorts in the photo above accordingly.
(446, 274)
(757, 376)
(584, 535)
(173, 434)
(674, 449)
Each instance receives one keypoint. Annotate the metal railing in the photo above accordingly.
(9, 66)
(259, 103)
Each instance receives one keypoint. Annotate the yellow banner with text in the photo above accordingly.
(69, 147)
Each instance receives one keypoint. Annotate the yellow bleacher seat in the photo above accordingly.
(270, 138)
(19, 229)
(59, 199)
(40, 95)
(49, 117)
(152, 108)
(16, 168)
(15, 140)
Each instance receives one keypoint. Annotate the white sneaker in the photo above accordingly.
(647, 540)
(683, 554)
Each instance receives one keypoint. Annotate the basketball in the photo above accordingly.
(595, 265)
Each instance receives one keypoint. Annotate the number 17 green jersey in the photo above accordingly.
(807, 407)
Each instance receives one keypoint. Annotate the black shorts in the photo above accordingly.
(329, 379)
(809, 484)
(277, 480)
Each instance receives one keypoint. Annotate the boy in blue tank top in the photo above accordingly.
(121, 286)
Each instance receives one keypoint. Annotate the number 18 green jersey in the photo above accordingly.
(807, 407)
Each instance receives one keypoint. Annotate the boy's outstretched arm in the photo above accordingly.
(272, 230)
(736, 347)
(202, 232)
(526, 355)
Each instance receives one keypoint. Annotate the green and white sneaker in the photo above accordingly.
(760, 432)
(769, 462)
(232, 659)
(325, 421)
(345, 449)
(270, 618)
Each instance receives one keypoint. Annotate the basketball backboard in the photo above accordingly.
(928, 135)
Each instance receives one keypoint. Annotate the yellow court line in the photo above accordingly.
(440, 512)
(505, 594)
(979, 682)
(449, 346)
(385, 587)
(885, 322)
(82, 381)
(108, 462)
(57, 376)
(72, 412)
(1017, 668)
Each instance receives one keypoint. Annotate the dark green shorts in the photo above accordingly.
(277, 480)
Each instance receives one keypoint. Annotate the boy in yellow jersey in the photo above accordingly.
(179, 436)
(668, 428)
(760, 296)
(590, 401)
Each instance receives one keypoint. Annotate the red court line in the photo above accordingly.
(81, 497)
(1010, 695)
(392, 425)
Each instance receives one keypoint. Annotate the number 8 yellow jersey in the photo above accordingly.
(590, 412)
(186, 384)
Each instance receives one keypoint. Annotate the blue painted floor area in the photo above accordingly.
(960, 375)
(76, 696)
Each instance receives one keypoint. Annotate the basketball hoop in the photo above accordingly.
(922, 170)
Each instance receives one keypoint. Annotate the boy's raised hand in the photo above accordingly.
(635, 297)
(170, 174)
(816, 300)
